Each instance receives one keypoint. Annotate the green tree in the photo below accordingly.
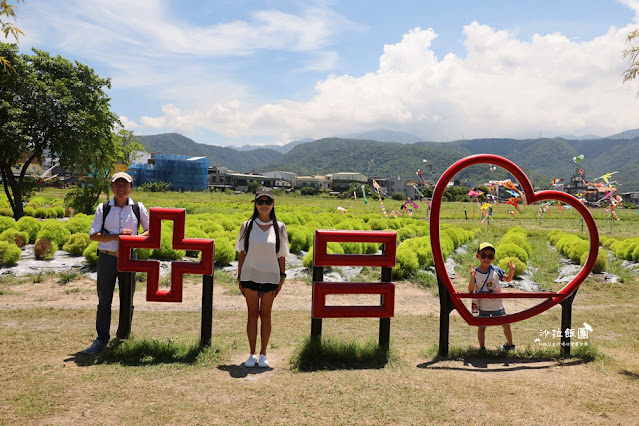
(8, 10)
(308, 190)
(252, 186)
(53, 104)
(119, 148)
(631, 55)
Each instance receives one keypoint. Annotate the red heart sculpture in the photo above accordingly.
(531, 197)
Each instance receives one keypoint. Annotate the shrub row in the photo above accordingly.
(513, 247)
(627, 249)
(576, 249)
(416, 253)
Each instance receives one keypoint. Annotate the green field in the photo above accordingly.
(160, 376)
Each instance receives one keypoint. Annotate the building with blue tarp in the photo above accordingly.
(182, 172)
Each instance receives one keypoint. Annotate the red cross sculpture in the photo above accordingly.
(152, 267)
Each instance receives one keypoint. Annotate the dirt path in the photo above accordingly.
(295, 295)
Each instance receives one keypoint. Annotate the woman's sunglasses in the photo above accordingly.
(490, 256)
(261, 201)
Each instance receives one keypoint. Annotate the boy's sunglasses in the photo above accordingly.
(261, 201)
(490, 256)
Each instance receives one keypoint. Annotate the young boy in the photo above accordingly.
(485, 279)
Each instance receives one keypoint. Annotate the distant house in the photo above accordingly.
(221, 178)
(340, 182)
(630, 198)
(280, 175)
(283, 180)
(318, 182)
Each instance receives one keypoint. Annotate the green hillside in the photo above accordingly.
(542, 159)
(176, 144)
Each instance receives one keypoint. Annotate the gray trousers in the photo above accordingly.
(107, 274)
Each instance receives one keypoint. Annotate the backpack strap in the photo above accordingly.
(136, 211)
(106, 208)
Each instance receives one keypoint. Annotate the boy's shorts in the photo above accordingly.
(499, 313)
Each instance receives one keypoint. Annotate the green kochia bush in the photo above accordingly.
(299, 238)
(30, 226)
(510, 250)
(407, 264)
(77, 243)
(91, 253)
(14, 236)
(224, 251)
(54, 231)
(79, 223)
(9, 253)
(6, 223)
(601, 264)
(578, 249)
(519, 239)
(520, 267)
(41, 213)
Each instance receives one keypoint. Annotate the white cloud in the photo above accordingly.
(504, 87)
(147, 28)
(128, 124)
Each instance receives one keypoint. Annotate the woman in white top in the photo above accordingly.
(263, 246)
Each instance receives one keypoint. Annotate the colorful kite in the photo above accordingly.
(513, 202)
(421, 175)
(364, 195)
(605, 177)
(430, 166)
(578, 159)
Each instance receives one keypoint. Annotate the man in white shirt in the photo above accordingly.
(123, 217)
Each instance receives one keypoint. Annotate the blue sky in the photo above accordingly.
(234, 72)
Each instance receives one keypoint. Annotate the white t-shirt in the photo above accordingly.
(489, 283)
(261, 261)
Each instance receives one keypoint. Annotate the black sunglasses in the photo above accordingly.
(261, 201)
(490, 256)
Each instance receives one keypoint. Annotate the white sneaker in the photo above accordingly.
(250, 362)
(263, 362)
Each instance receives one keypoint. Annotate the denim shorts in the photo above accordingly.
(499, 313)
(259, 287)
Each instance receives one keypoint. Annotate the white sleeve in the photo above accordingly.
(96, 225)
(283, 241)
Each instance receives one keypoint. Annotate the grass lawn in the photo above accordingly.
(159, 376)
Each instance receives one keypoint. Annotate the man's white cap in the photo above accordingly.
(121, 175)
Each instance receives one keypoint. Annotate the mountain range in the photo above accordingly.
(543, 159)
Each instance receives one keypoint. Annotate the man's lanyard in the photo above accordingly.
(490, 269)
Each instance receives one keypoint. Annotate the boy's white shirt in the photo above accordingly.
(491, 284)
